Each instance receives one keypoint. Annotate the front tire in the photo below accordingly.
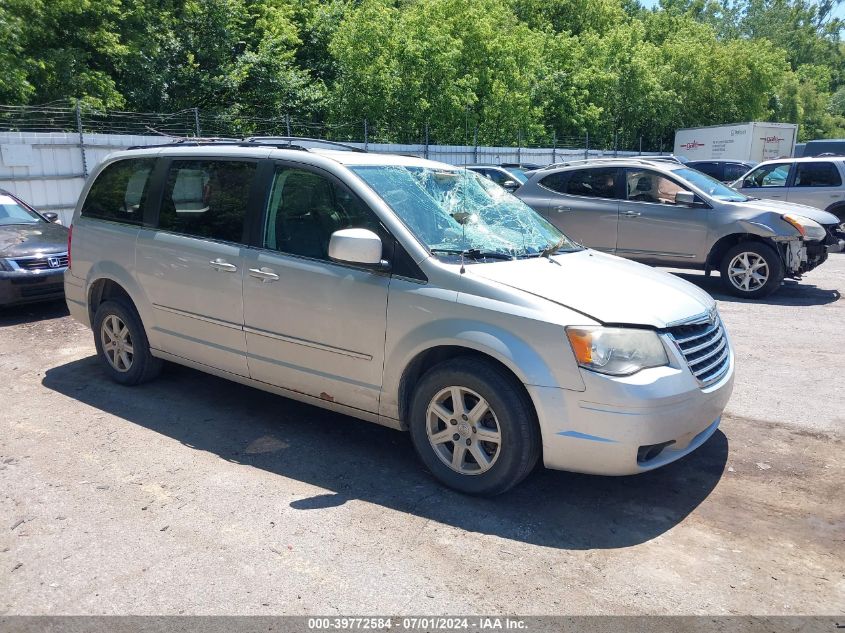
(122, 344)
(752, 270)
(474, 427)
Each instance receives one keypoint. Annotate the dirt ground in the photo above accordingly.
(193, 495)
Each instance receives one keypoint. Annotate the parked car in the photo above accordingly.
(726, 171)
(824, 147)
(33, 253)
(506, 178)
(667, 214)
(816, 181)
(401, 291)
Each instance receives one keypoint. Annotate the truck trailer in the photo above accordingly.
(753, 141)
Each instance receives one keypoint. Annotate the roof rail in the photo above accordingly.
(610, 159)
(285, 141)
(279, 142)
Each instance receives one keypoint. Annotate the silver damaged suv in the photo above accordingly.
(400, 291)
(666, 214)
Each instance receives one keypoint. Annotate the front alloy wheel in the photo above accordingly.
(463, 430)
(748, 271)
(751, 269)
(473, 425)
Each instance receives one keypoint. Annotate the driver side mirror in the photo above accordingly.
(51, 216)
(510, 185)
(685, 197)
(357, 246)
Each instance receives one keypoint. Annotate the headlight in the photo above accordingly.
(809, 229)
(616, 351)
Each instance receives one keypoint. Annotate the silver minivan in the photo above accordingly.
(401, 291)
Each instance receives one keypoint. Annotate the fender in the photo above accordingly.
(515, 353)
(105, 269)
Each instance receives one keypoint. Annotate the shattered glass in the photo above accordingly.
(455, 210)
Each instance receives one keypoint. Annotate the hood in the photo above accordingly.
(18, 240)
(606, 288)
(779, 206)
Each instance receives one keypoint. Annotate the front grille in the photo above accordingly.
(42, 262)
(705, 348)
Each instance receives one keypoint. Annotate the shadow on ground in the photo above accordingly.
(32, 312)
(791, 293)
(352, 459)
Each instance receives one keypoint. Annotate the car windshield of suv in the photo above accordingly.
(710, 186)
(455, 211)
(13, 213)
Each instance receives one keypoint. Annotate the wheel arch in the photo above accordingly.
(432, 356)
(725, 243)
(837, 209)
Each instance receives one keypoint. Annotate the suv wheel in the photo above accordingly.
(474, 427)
(752, 270)
(122, 344)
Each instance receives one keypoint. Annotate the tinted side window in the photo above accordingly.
(207, 198)
(817, 175)
(305, 209)
(714, 170)
(556, 182)
(596, 183)
(120, 191)
(734, 171)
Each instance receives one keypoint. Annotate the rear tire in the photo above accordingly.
(488, 441)
(122, 344)
(752, 270)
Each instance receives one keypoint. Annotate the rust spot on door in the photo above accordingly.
(326, 396)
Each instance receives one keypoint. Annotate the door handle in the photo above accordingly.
(631, 214)
(222, 265)
(561, 209)
(264, 274)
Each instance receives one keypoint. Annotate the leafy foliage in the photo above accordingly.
(501, 69)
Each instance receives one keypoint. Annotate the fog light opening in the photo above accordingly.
(651, 451)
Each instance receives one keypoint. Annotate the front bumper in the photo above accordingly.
(19, 286)
(629, 425)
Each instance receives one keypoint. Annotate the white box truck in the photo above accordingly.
(739, 141)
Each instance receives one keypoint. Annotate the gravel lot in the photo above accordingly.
(199, 496)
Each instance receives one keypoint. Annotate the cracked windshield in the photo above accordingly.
(457, 211)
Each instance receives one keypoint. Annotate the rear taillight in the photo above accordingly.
(69, 240)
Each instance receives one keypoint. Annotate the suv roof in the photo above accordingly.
(292, 148)
(657, 161)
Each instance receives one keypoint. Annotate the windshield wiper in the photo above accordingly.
(552, 249)
(473, 253)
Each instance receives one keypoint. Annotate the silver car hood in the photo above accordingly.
(604, 287)
(779, 206)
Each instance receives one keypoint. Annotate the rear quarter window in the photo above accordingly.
(120, 191)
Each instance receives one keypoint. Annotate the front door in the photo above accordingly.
(191, 265)
(767, 181)
(652, 226)
(312, 325)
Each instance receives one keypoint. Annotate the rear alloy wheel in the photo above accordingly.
(474, 427)
(752, 270)
(122, 343)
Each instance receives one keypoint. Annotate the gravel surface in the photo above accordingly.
(195, 495)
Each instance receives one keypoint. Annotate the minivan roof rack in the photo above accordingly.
(286, 141)
(279, 142)
(610, 159)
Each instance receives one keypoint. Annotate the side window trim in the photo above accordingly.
(162, 172)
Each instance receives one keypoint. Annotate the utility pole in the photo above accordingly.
(197, 122)
(366, 135)
(426, 140)
(287, 123)
(586, 145)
